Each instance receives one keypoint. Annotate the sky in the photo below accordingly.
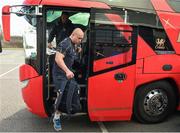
(17, 23)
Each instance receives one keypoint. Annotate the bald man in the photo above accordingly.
(62, 69)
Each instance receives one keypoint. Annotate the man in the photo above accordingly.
(61, 30)
(62, 69)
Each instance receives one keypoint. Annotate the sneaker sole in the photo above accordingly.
(57, 129)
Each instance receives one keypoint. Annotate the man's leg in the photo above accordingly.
(61, 85)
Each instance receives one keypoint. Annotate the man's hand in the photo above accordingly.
(60, 61)
(79, 49)
(69, 74)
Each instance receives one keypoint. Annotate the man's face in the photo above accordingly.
(78, 38)
(64, 18)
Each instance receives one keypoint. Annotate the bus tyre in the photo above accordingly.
(154, 102)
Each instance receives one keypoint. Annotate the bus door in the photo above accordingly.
(112, 59)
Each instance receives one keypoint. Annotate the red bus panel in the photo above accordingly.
(33, 96)
(109, 99)
(27, 72)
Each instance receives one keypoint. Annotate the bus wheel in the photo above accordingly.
(154, 102)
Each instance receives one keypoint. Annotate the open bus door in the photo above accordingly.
(112, 66)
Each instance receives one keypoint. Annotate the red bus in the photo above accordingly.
(130, 60)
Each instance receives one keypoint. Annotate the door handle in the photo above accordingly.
(120, 76)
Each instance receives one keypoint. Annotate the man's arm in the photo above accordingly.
(59, 58)
(51, 37)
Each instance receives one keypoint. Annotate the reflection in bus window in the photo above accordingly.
(112, 41)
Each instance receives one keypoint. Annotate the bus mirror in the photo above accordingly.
(6, 22)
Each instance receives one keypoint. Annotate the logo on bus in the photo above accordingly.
(178, 40)
(160, 43)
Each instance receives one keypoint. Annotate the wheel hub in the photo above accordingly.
(155, 102)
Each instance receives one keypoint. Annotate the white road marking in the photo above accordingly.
(102, 127)
(9, 71)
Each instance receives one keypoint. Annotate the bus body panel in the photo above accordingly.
(27, 72)
(170, 22)
(117, 60)
(32, 2)
(76, 3)
(109, 99)
(164, 64)
(161, 5)
(33, 96)
(142, 79)
(143, 46)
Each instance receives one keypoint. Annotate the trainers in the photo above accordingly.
(57, 124)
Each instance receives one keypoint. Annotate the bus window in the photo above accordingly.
(30, 40)
(113, 41)
(53, 15)
(76, 18)
(110, 43)
(157, 39)
(80, 18)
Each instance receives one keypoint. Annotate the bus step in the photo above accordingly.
(80, 85)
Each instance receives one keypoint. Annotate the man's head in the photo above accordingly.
(64, 17)
(77, 36)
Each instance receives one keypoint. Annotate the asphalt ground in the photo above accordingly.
(14, 116)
